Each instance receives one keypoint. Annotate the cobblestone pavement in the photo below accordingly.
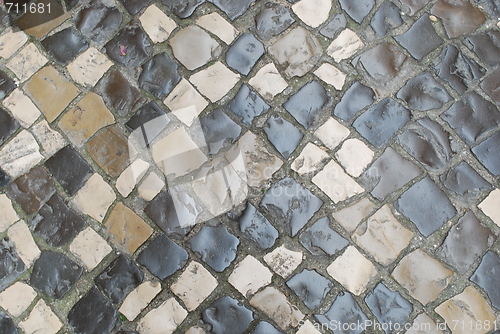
(368, 132)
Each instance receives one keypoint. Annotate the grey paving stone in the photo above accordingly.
(387, 17)
(344, 310)
(420, 39)
(97, 21)
(7, 85)
(11, 265)
(487, 276)
(463, 179)
(334, 26)
(491, 85)
(321, 239)
(257, 228)
(247, 105)
(152, 118)
(8, 125)
(244, 53)
(283, 135)
(159, 75)
(357, 97)
(4, 179)
(424, 93)
(487, 46)
(265, 328)
(357, 10)
(272, 20)
(182, 8)
(130, 46)
(490, 6)
(135, 6)
(311, 287)
(217, 316)
(488, 153)
(233, 8)
(7, 325)
(219, 130)
(65, 45)
(306, 104)
(163, 257)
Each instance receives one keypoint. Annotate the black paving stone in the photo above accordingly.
(227, 316)
(8, 125)
(488, 153)
(65, 45)
(344, 310)
(290, 204)
(424, 93)
(4, 179)
(463, 179)
(247, 105)
(152, 119)
(162, 212)
(380, 122)
(357, 97)
(487, 46)
(219, 130)
(244, 53)
(163, 257)
(159, 75)
(311, 287)
(283, 135)
(182, 8)
(334, 26)
(7, 85)
(306, 103)
(69, 169)
(387, 17)
(93, 314)
(420, 39)
(487, 276)
(265, 328)
(56, 223)
(216, 246)
(272, 20)
(357, 9)
(321, 239)
(130, 47)
(97, 21)
(426, 205)
(233, 8)
(257, 228)
(11, 265)
(32, 19)
(491, 85)
(119, 278)
(7, 325)
(54, 274)
(135, 6)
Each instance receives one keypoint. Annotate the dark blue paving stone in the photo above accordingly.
(306, 103)
(460, 71)
(182, 8)
(54, 274)
(466, 241)
(380, 122)
(233, 8)
(487, 46)
(491, 85)
(426, 205)
(283, 135)
(135, 6)
(488, 153)
(119, 278)
(247, 105)
(227, 316)
(463, 179)
(4, 179)
(56, 223)
(428, 142)
(65, 45)
(333, 27)
(8, 125)
(7, 325)
(357, 97)
(69, 169)
(487, 276)
(244, 53)
(472, 116)
(265, 328)
(93, 314)
(162, 212)
(159, 75)
(424, 93)
(97, 21)
(216, 246)
(357, 9)
(150, 118)
(321, 239)
(272, 20)
(130, 47)
(290, 204)
(387, 17)
(311, 287)
(420, 39)
(257, 228)
(11, 265)
(219, 130)
(388, 307)
(6, 85)
(163, 257)
(344, 310)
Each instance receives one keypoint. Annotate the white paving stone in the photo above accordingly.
(283, 261)
(42, 320)
(26, 248)
(345, 45)
(490, 206)
(164, 319)
(131, 176)
(185, 102)
(268, 82)
(94, 198)
(157, 24)
(20, 154)
(308, 328)
(151, 186)
(273, 302)
(16, 298)
(195, 330)
(310, 160)
(355, 156)
(336, 183)
(89, 67)
(8, 215)
(27, 62)
(218, 26)
(139, 298)
(332, 133)
(313, 12)
(11, 41)
(350, 216)
(331, 75)
(51, 140)
(215, 81)
(249, 276)
(23, 109)
(90, 248)
(423, 324)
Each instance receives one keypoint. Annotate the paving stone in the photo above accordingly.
(283, 261)
(332, 133)
(150, 186)
(311, 12)
(487, 153)
(233, 9)
(129, 47)
(194, 285)
(491, 85)
(272, 20)
(380, 122)
(159, 75)
(17, 298)
(109, 149)
(11, 41)
(181, 8)
(163, 319)
(139, 298)
(247, 105)
(7, 325)
(388, 306)
(8, 215)
(194, 47)
(357, 10)
(264, 327)
(311, 287)
(284, 136)
(336, 24)
(306, 104)
(185, 102)
(127, 181)
(218, 26)
(420, 39)
(150, 117)
(274, 303)
(93, 314)
(355, 156)
(20, 235)
(215, 81)
(249, 276)
(237, 323)
(7, 85)
(489, 206)
(321, 239)
(387, 17)
(51, 140)
(463, 179)
(163, 257)
(98, 20)
(65, 45)
(216, 246)
(424, 93)
(55, 274)
(348, 106)
(486, 276)
(11, 265)
(219, 130)
(454, 13)
(344, 310)
(344, 46)
(26, 62)
(90, 257)
(20, 154)
(311, 159)
(157, 25)
(489, 6)
(57, 224)
(350, 216)
(41, 320)
(244, 53)
(38, 24)
(486, 46)
(4, 179)
(335, 183)
(268, 82)
(412, 6)
(134, 6)
(21, 107)
(423, 324)
(308, 328)
(331, 75)
(88, 203)
(257, 228)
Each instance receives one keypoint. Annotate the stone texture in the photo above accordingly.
(454, 13)
(109, 149)
(65, 45)
(215, 81)
(164, 319)
(357, 10)
(489, 207)
(237, 323)
(272, 20)
(219, 130)
(348, 106)
(17, 298)
(387, 17)
(163, 257)
(420, 39)
(321, 239)
(424, 93)
(182, 9)
(264, 327)
(28, 61)
(233, 8)
(486, 276)
(98, 20)
(274, 303)
(159, 75)
(310, 160)
(7, 325)
(150, 186)
(344, 310)
(130, 47)
(21, 107)
(336, 24)
(7, 85)
(355, 156)
(331, 75)
(218, 26)
(185, 102)
(41, 320)
(139, 298)
(283, 261)
(344, 46)
(150, 117)
(284, 136)
(131, 176)
(487, 153)
(310, 287)
(194, 285)
(256, 227)
(464, 180)
(247, 105)
(332, 133)
(88, 203)
(268, 82)
(11, 266)
(491, 85)
(8, 215)
(249, 276)
(424, 324)
(89, 67)
(157, 25)
(93, 256)
(50, 139)
(244, 53)
(306, 104)
(20, 235)
(11, 41)
(20, 154)
(335, 183)
(311, 12)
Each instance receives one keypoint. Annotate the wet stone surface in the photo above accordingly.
(65, 45)
(159, 75)
(276, 128)
(321, 239)
(244, 53)
(488, 153)
(130, 47)
(163, 257)
(311, 287)
(420, 39)
(306, 104)
(487, 46)
(487, 275)
(120, 94)
(454, 13)
(216, 316)
(257, 228)
(272, 20)
(344, 310)
(463, 179)
(98, 21)
(424, 93)
(247, 105)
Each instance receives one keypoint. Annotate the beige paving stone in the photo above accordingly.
(350, 216)
(127, 230)
(423, 276)
(23, 109)
(11, 41)
(151, 186)
(42, 320)
(20, 154)
(8, 215)
(490, 206)
(331, 75)
(89, 67)
(308, 328)
(139, 298)
(110, 150)
(90, 248)
(194, 285)
(218, 26)
(283, 261)
(195, 330)
(27, 62)
(50, 91)
(467, 313)
(310, 160)
(355, 156)
(313, 12)
(332, 133)
(382, 236)
(249, 276)
(273, 302)
(157, 24)
(131, 176)
(16, 298)
(268, 82)
(336, 183)
(51, 140)
(352, 270)
(423, 324)
(164, 319)
(85, 119)
(20, 235)
(344, 46)
(215, 81)
(185, 102)
(94, 198)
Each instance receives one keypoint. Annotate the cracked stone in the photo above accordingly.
(185, 102)
(244, 53)
(247, 105)
(237, 323)
(65, 45)
(336, 24)
(257, 228)
(454, 13)
(249, 276)
(129, 47)
(344, 46)
(139, 298)
(272, 20)
(311, 287)
(421, 39)
(182, 8)
(311, 159)
(487, 46)
(94, 198)
(273, 302)
(283, 261)
(284, 136)
(335, 183)
(312, 12)
(387, 17)
(424, 93)
(357, 10)
(157, 25)
(194, 285)
(11, 265)
(159, 75)
(7, 85)
(215, 81)
(268, 82)
(109, 149)
(98, 21)
(219, 130)
(357, 97)
(487, 275)
(163, 257)
(488, 153)
(344, 310)
(463, 179)
(150, 117)
(306, 104)
(218, 26)
(20, 154)
(491, 85)
(22, 108)
(355, 156)
(164, 319)
(233, 8)
(350, 216)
